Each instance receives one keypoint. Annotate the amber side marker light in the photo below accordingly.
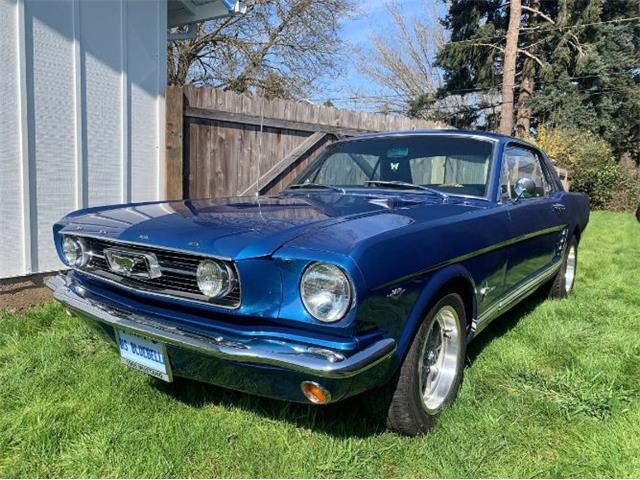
(315, 393)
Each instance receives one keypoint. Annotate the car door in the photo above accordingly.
(536, 223)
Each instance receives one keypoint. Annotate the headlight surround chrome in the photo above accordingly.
(75, 252)
(326, 292)
(215, 279)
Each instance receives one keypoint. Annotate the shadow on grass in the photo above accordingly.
(502, 325)
(350, 418)
(358, 417)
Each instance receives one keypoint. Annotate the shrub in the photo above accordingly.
(627, 195)
(592, 167)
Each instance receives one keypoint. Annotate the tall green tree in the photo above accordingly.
(593, 77)
(577, 64)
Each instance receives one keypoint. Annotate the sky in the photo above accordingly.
(356, 32)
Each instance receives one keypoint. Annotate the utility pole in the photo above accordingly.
(509, 69)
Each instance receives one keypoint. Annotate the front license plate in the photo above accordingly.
(144, 354)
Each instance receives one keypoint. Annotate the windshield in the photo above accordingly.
(453, 165)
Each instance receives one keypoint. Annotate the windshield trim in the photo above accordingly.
(490, 175)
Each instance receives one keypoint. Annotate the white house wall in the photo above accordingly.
(82, 112)
(11, 228)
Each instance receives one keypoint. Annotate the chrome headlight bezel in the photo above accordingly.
(74, 251)
(219, 273)
(343, 288)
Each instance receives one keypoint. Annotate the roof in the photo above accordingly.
(470, 133)
(182, 12)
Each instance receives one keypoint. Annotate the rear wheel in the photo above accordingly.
(431, 373)
(563, 282)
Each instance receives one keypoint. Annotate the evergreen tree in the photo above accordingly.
(593, 77)
(578, 65)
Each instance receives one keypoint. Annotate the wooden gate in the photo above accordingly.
(215, 148)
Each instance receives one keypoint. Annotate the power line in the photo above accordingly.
(448, 109)
(479, 90)
(483, 89)
(528, 30)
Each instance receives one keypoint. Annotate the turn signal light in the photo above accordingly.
(315, 393)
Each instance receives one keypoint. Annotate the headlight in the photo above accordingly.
(214, 279)
(75, 252)
(326, 292)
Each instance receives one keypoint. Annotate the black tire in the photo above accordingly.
(558, 287)
(407, 412)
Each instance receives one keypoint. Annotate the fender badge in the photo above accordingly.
(396, 292)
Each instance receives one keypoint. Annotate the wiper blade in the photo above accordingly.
(407, 185)
(315, 185)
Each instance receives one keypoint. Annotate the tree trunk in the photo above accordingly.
(523, 115)
(509, 69)
(527, 84)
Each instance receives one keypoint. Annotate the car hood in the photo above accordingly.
(241, 227)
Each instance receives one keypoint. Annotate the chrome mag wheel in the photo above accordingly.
(438, 367)
(570, 270)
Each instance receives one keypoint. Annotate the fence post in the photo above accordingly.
(175, 142)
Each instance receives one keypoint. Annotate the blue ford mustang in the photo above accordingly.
(375, 268)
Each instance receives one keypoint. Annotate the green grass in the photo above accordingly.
(552, 389)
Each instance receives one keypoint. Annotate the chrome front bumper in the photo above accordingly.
(319, 362)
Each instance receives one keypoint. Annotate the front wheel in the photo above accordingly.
(431, 373)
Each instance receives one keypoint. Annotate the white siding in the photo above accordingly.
(51, 109)
(11, 237)
(142, 56)
(82, 113)
(103, 94)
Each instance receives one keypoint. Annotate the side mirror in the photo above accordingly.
(525, 188)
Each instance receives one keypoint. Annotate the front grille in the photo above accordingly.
(178, 269)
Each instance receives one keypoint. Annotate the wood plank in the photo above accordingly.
(274, 172)
(269, 122)
(225, 153)
(174, 143)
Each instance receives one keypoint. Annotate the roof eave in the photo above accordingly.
(183, 12)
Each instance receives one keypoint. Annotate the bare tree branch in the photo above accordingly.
(294, 40)
(538, 13)
(531, 56)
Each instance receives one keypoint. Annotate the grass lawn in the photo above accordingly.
(552, 389)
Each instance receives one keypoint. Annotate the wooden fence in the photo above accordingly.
(215, 148)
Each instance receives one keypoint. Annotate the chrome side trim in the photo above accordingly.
(475, 253)
(288, 355)
(513, 297)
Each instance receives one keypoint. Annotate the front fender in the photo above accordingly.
(433, 285)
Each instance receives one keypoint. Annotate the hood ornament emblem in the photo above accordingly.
(130, 263)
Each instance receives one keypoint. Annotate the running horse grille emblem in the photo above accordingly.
(132, 264)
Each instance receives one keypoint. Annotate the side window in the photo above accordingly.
(519, 163)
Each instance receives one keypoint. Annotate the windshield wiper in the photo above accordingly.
(315, 185)
(407, 185)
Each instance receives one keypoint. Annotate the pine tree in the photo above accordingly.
(578, 65)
